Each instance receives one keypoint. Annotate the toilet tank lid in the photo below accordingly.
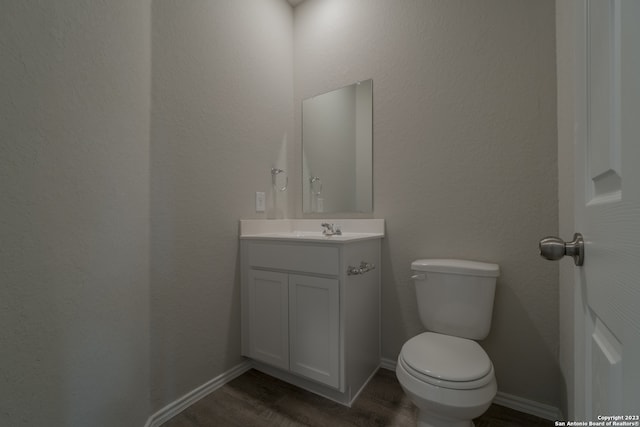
(457, 266)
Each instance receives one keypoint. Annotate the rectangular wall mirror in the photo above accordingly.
(337, 150)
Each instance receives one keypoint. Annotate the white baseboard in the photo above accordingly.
(527, 406)
(355, 396)
(521, 404)
(388, 364)
(182, 403)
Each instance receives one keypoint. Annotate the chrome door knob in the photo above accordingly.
(554, 248)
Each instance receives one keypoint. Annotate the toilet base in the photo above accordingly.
(442, 407)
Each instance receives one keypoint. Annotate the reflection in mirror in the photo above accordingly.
(337, 149)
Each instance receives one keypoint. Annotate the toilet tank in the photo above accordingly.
(455, 297)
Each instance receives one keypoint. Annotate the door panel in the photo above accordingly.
(607, 209)
(604, 101)
(269, 319)
(314, 328)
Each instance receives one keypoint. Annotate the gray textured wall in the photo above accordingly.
(222, 116)
(464, 166)
(464, 154)
(74, 213)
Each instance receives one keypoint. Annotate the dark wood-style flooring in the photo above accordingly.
(256, 399)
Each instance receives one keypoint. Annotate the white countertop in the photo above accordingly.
(310, 230)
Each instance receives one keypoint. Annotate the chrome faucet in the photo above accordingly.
(331, 229)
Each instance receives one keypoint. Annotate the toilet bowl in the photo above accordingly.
(444, 372)
(449, 379)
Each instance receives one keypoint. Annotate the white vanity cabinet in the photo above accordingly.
(294, 323)
(268, 317)
(306, 320)
(314, 328)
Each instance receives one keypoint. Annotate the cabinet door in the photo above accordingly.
(314, 319)
(268, 317)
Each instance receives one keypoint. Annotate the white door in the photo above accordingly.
(607, 321)
(314, 327)
(269, 317)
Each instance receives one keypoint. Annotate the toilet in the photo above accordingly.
(444, 371)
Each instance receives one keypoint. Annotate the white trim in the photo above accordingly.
(527, 406)
(355, 396)
(342, 397)
(182, 403)
(389, 364)
(306, 384)
(521, 404)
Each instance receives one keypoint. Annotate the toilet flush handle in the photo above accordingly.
(418, 277)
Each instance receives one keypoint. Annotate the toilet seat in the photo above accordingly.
(446, 361)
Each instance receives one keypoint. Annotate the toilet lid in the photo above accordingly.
(446, 358)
